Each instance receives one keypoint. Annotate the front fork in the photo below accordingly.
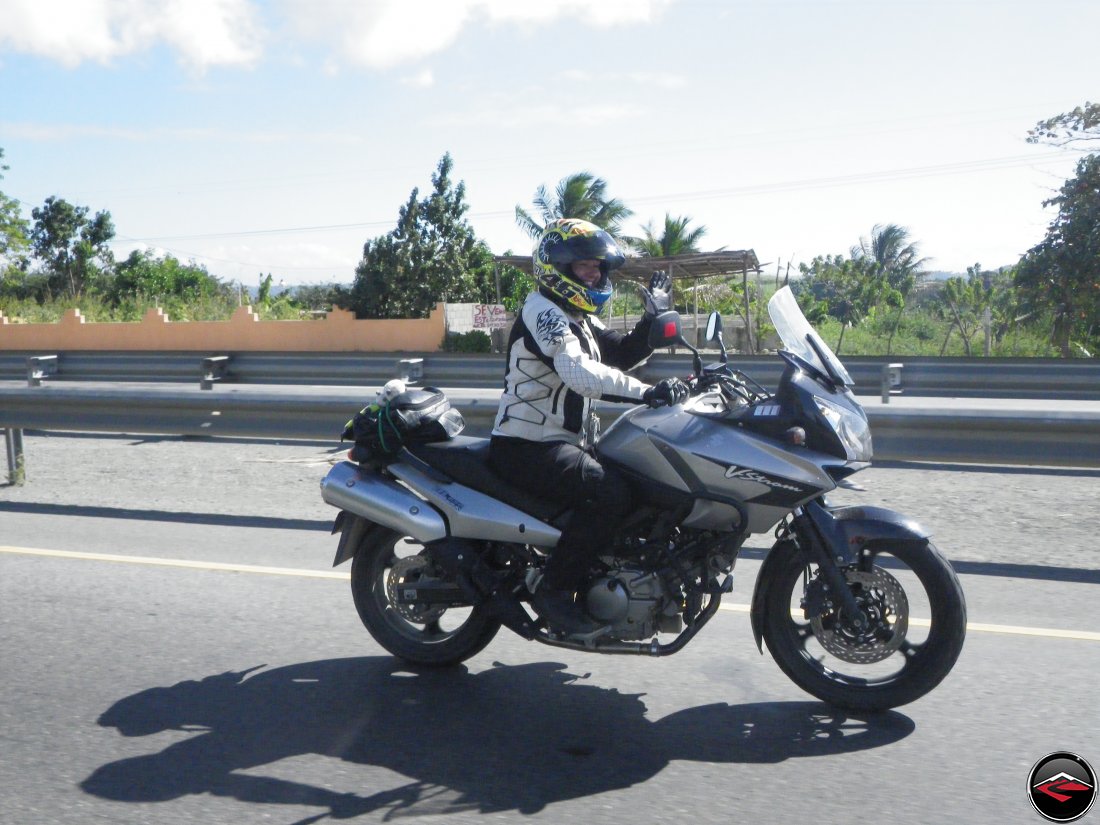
(822, 550)
(833, 538)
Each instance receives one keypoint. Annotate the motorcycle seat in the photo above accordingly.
(465, 459)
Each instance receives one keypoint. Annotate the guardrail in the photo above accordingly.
(951, 432)
(922, 376)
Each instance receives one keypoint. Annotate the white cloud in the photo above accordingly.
(421, 80)
(659, 80)
(600, 13)
(528, 116)
(203, 32)
(379, 34)
(49, 132)
(386, 33)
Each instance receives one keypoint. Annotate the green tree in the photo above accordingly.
(580, 195)
(1079, 128)
(674, 239)
(263, 294)
(321, 297)
(849, 288)
(72, 249)
(965, 302)
(14, 231)
(432, 255)
(144, 275)
(899, 259)
(1061, 274)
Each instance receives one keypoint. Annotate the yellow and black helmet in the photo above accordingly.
(567, 240)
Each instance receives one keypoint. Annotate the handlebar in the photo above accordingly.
(737, 388)
(733, 384)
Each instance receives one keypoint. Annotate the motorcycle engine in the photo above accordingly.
(634, 602)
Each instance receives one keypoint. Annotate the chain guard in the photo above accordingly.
(884, 604)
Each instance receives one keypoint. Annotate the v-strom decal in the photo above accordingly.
(782, 491)
(733, 471)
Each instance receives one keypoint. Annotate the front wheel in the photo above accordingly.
(423, 635)
(911, 629)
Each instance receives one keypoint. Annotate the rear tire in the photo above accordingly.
(895, 671)
(435, 636)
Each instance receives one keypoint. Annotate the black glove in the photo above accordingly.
(666, 392)
(658, 298)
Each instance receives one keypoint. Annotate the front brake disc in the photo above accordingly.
(883, 604)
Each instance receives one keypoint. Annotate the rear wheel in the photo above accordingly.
(424, 635)
(913, 626)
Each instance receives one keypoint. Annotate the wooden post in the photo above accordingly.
(748, 307)
(696, 311)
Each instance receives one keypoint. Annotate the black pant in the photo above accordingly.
(566, 474)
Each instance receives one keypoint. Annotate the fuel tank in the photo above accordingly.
(739, 479)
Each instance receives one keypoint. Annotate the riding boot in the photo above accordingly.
(554, 596)
(562, 613)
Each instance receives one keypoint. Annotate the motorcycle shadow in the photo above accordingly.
(506, 738)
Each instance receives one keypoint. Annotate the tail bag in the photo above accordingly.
(420, 415)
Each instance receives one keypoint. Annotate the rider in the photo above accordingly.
(560, 357)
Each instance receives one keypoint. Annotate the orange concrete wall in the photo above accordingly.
(244, 332)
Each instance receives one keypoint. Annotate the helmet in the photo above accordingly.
(567, 240)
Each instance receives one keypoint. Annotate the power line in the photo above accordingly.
(888, 175)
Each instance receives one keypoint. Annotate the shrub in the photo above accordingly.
(473, 341)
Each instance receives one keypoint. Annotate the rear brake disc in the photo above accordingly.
(403, 571)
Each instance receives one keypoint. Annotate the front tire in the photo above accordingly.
(917, 605)
(433, 636)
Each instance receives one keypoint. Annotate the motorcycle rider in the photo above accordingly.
(560, 357)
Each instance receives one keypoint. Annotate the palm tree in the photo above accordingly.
(890, 247)
(675, 239)
(898, 259)
(580, 195)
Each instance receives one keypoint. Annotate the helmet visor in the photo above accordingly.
(598, 246)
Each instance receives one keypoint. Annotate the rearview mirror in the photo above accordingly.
(665, 330)
(714, 327)
(714, 333)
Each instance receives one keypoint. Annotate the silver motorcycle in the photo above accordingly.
(855, 603)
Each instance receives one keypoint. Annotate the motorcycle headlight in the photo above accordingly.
(851, 428)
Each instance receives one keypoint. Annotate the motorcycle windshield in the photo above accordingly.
(802, 339)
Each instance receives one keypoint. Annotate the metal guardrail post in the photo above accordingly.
(214, 368)
(891, 381)
(39, 367)
(13, 446)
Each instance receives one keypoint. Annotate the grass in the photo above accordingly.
(920, 333)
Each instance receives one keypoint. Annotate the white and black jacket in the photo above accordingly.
(559, 361)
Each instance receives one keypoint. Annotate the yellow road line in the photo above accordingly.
(193, 565)
(1083, 635)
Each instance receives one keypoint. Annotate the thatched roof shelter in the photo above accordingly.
(691, 266)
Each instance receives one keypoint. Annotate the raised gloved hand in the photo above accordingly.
(666, 392)
(658, 298)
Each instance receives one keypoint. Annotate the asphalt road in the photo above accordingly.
(175, 648)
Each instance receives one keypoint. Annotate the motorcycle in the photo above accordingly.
(855, 604)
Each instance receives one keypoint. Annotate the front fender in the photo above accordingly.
(781, 554)
(845, 531)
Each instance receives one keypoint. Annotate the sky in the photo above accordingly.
(277, 136)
